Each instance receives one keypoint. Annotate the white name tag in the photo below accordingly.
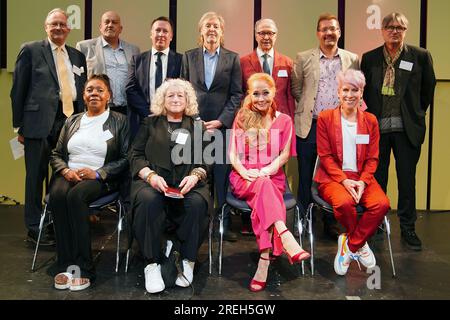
(181, 138)
(106, 135)
(405, 65)
(362, 139)
(282, 73)
(77, 71)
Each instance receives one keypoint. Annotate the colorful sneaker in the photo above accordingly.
(366, 256)
(343, 256)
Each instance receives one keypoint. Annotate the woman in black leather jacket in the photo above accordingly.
(88, 162)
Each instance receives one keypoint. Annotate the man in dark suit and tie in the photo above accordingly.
(400, 87)
(148, 70)
(215, 74)
(47, 88)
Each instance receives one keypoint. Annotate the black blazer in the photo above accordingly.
(151, 148)
(35, 90)
(224, 96)
(137, 88)
(416, 90)
(116, 160)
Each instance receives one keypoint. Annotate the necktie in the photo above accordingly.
(64, 83)
(158, 74)
(266, 67)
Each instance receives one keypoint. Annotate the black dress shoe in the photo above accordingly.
(331, 231)
(410, 238)
(230, 236)
(46, 238)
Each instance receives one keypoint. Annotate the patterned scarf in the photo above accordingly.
(389, 76)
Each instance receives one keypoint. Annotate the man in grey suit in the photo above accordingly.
(149, 69)
(215, 74)
(112, 56)
(47, 88)
(400, 84)
(314, 87)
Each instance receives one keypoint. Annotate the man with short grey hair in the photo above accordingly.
(47, 89)
(112, 56)
(400, 84)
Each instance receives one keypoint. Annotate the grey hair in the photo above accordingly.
(397, 17)
(54, 11)
(260, 21)
(158, 103)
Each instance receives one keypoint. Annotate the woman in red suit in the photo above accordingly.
(347, 144)
(260, 146)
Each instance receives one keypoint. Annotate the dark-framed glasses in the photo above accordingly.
(263, 34)
(395, 28)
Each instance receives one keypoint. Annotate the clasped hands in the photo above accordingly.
(355, 188)
(157, 182)
(253, 174)
(79, 175)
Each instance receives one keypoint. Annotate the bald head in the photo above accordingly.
(111, 27)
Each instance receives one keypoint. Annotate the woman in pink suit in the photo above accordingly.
(260, 146)
(347, 145)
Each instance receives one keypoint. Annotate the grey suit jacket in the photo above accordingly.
(305, 83)
(35, 91)
(95, 59)
(222, 99)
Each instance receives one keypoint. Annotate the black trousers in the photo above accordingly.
(69, 204)
(152, 208)
(37, 156)
(306, 156)
(406, 157)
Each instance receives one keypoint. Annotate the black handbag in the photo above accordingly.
(171, 266)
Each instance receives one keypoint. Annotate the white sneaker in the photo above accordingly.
(366, 256)
(188, 272)
(153, 280)
(343, 256)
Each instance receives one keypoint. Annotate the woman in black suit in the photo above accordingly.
(88, 162)
(166, 162)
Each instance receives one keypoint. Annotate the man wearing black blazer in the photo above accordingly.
(400, 87)
(215, 74)
(143, 73)
(36, 95)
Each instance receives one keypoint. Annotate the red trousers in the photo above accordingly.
(374, 200)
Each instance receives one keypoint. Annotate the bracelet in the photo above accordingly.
(65, 171)
(97, 175)
(196, 175)
(199, 173)
(150, 175)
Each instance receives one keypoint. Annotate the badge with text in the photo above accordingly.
(362, 139)
(282, 74)
(405, 65)
(106, 135)
(181, 138)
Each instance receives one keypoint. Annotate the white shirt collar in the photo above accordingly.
(105, 43)
(165, 51)
(260, 53)
(54, 46)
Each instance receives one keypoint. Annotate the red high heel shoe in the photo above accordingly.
(261, 284)
(299, 257)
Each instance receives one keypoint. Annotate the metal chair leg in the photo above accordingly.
(300, 233)
(41, 227)
(221, 238)
(127, 260)
(387, 225)
(311, 236)
(210, 249)
(119, 229)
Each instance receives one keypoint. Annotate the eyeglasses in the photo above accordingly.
(395, 28)
(262, 34)
(58, 24)
(331, 29)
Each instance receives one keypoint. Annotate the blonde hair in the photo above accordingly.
(158, 103)
(207, 16)
(247, 118)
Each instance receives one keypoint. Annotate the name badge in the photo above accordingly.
(282, 74)
(405, 65)
(362, 139)
(106, 135)
(77, 71)
(181, 138)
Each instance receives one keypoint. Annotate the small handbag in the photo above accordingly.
(171, 265)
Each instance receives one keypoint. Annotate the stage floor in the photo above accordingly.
(420, 275)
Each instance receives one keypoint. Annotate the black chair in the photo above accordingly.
(318, 202)
(112, 199)
(232, 202)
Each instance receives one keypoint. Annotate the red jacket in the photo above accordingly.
(283, 98)
(330, 149)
